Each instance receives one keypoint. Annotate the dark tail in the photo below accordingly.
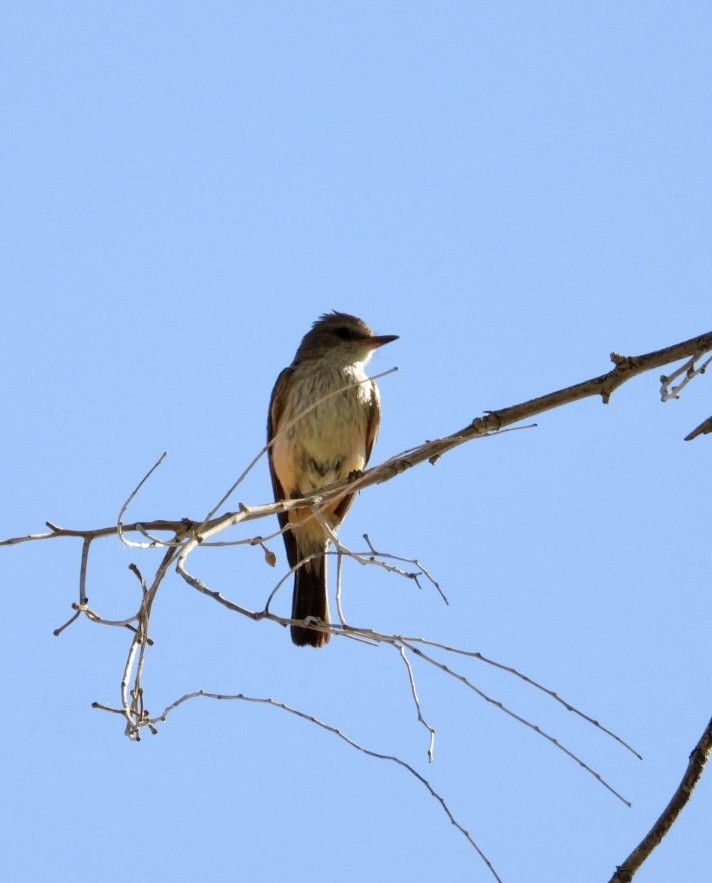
(310, 599)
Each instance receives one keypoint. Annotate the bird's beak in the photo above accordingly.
(380, 340)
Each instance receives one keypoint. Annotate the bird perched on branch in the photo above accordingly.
(324, 415)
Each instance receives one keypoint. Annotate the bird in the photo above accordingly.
(324, 415)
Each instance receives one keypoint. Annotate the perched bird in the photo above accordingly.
(323, 419)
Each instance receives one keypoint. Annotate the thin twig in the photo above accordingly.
(416, 700)
(83, 572)
(688, 370)
(413, 561)
(522, 720)
(339, 569)
(73, 618)
(132, 495)
(349, 741)
(473, 654)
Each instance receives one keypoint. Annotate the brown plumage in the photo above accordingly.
(323, 419)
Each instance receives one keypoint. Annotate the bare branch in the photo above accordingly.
(517, 717)
(702, 429)
(626, 367)
(58, 631)
(416, 700)
(371, 636)
(184, 536)
(422, 571)
(341, 735)
(698, 758)
(474, 654)
(131, 496)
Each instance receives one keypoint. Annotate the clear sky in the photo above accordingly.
(516, 189)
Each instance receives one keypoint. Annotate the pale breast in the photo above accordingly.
(329, 411)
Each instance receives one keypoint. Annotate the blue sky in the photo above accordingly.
(516, 189)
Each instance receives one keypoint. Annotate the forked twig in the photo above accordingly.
(687, 372)
(522, 720)
(474, 654)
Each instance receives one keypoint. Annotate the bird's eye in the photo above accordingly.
(344, 333)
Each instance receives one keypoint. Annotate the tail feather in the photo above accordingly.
(310, 599)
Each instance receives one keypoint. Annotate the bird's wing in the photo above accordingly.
(374, 420)
(276, 406)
